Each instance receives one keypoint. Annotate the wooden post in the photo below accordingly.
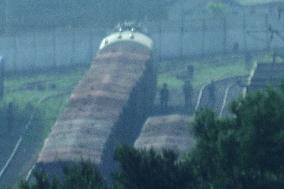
(15, 44)
(91, 45)
(54, 47)
(35, 51)
(267, 33)
(182, 29)
(160, 41)
(2, 77)
(204, 28)
(245, 33)
(73, 45)
(2, 16)
(224, 34)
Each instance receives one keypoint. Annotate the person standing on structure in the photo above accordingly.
(187, 91)
(10, 116)
(164, 97)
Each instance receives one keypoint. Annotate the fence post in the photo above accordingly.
(267, 33)
(91, 45)
(224, 34)
(54, 47)
(35, 51)
(73, 45)
(2, 77)
(182, 29)
(15, 44)
(245, 33)
(204, 28)
(160, 40)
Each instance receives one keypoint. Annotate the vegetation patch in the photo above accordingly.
(37, 98)
(205, 69)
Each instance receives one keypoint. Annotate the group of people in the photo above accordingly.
(187, 92)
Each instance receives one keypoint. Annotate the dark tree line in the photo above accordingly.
(245, 151)
(42, 13)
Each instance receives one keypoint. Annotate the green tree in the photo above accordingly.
(78, 176)
(245, 151)
(82, 176)
(139, 169)
(41, 182)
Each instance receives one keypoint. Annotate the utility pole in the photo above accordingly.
(224, 34)
(160, 40)
(35, 50)
(182, 28)
(2, 77)
(204, 28)
(3, 16)
(73, 45)
(267, 33)
(73, 35)
(91, 44)
(245, 33)
(54, 46)
(15, 53)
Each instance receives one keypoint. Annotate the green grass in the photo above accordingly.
(51, 109)
(204, 73)
(16, 86)
(171, 81)
(205, 70)
(16, 91)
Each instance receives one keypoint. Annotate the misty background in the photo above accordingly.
(42, 14)
(36, 34)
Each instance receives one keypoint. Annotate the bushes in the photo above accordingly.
(246, 151)
(151, 170)
(80, 176)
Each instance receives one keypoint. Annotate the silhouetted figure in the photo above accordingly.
(10, 116)
(187, 91)
(248, 60)
(280, 11)
(190, 71)
(236, 47)
(212, 94)
(274, 57)
(164, 97)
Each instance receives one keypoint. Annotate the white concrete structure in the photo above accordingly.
(127, 36)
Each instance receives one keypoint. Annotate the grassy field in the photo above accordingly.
(31, 87)
(51, 87)
(174, 72)
(47, 93)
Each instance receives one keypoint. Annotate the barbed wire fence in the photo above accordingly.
(37, 49)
